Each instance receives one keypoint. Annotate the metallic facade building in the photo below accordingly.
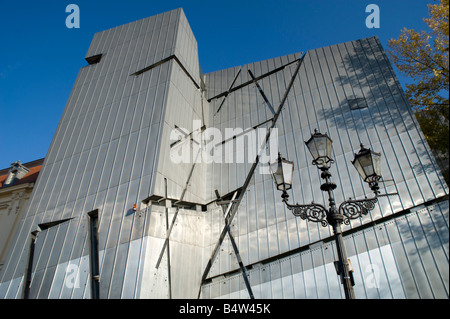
(113, 216)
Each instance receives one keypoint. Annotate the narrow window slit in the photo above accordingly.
(93, 254)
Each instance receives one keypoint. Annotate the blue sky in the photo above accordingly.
(40, 57)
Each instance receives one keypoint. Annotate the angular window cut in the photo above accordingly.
(357, 103)
(94, 59)
(31, 260)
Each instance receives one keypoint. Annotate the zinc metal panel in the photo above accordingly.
(263, 245)
(59, 280)
(274, 248)
(79, 134)
(158, 102)
(92, 131)
(299, 285)
(36, 283)
(46, 282)
(148, 96)
(95, 102)
(136, 123)
(427, 258)
(113, 94)
(43, 248)
(376, 259)
(106, 271)
(60, 234)
(94, 44)
(118, 161)
(117, 215)
(333, 280)
(316, 67)
(47, 191)
(15, 289)
(415, 264)
(82, 276)
(139, 221)
(310, 283)
(275, 283)
(253, 252)
(438, 248)
(128, 159)
(287, 279)
(441, 221)
(117, 276)
(390, 267)
(140, 272)
(325, 63)
(106, 88)
(118, 125)
(108, 165)
(128, 213)
(99, 162)
(4, 288)
(72, 195)
(70, 279)
(80, 237)
(87, 173)
(130, 277)
(321, 276)
(103, 43)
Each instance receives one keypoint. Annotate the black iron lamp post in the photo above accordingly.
(366, 162)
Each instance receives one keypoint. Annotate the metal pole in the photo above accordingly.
(335, 220)
(344, 270)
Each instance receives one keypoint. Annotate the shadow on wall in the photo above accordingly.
(373, 98)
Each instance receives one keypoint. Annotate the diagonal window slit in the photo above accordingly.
(174, 57)
(235, 205)
(93, 254)
(229, 90)
(262, 92)
(252, 81)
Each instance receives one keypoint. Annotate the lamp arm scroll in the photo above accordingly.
(312, 212)
(353, 209)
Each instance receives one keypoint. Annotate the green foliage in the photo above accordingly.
(423, 56)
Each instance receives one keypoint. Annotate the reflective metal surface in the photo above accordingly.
(385, 260)
(112, 147)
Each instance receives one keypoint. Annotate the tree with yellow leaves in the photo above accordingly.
(423, 56)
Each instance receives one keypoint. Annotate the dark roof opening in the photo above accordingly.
(94, 59)
(357, 103)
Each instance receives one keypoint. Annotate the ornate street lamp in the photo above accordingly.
(366, 162)
(320, 146)
(282, 172)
